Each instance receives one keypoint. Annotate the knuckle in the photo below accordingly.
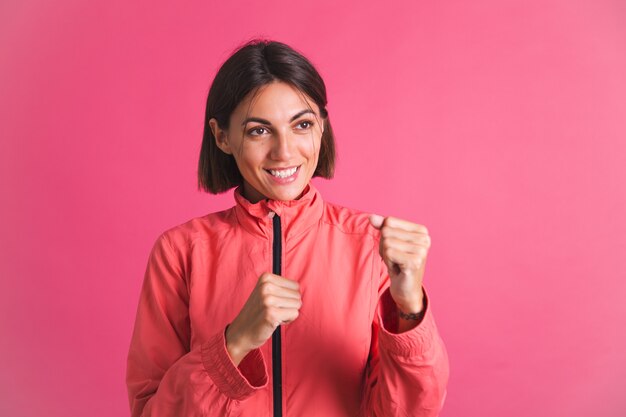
(270, 315)
(265, 289)
(266, 278)
(268, 300)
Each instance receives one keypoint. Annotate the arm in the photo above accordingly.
(408, 372)
(164, 377)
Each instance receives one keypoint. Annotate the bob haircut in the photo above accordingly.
(255, 64)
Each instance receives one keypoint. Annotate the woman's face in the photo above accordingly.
(275, 137)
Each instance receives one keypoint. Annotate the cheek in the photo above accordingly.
(250, 155)
(312, 147)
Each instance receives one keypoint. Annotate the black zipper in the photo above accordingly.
(277, 374)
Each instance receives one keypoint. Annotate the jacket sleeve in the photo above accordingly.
(163, 376)
(408, 372)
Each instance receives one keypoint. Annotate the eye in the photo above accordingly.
(257, 131)
(304, 125)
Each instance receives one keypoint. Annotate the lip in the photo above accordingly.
(285, 180)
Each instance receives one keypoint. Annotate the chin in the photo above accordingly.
(287, 195)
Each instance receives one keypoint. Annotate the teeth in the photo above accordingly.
(283, 173)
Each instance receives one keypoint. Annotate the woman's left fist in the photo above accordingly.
(404, 248)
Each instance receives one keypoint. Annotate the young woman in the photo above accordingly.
(283, 305)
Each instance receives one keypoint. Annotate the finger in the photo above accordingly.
(289, 315)
(276, 316)
(404, 246)
(280, 281)
(268, 286)
(282, 302)
(400, 234)
(376, 220)
(391, 267)
(405, 225)
(268, 289)
(404, 260)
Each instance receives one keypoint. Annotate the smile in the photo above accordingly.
(283, 173)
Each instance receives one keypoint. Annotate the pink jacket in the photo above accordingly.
(340, 357)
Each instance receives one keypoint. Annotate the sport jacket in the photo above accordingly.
(342, 356)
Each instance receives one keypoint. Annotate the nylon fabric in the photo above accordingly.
(342, 356)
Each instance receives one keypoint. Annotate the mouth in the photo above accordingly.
(283, 173)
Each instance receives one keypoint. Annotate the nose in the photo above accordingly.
(282, 146)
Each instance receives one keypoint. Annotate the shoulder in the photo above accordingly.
(206, 227)
(349, 220)
(173, 248)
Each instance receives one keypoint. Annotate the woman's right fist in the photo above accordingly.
(274, 301)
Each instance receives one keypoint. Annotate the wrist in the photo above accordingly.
(413, 306)
(234, 347)
(409, 317)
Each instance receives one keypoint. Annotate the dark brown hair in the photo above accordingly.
(257, 63)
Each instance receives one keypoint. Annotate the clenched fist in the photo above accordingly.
(274, 301)
(404, 248)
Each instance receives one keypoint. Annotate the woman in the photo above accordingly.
(283, 304)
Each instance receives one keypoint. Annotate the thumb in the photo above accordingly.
(376, 220)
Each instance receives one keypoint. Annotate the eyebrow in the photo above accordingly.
(266, 122)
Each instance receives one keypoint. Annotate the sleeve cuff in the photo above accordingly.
(416, 341)
(236, 382)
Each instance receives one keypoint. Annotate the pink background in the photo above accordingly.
(500, 125)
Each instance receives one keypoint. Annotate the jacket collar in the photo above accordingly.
(296, 216)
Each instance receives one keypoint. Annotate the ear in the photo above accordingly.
(221, 137)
